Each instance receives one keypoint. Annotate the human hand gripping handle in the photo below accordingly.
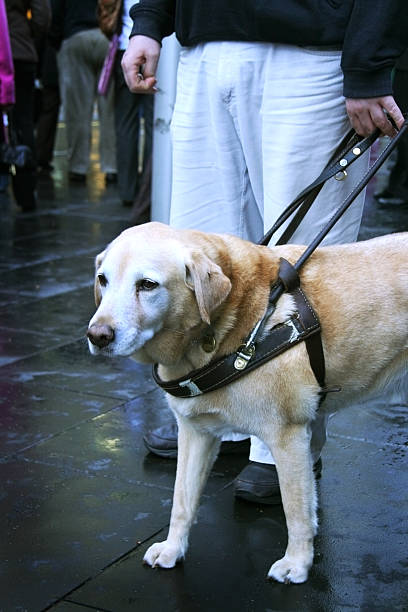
(367, 114)
(139, 64)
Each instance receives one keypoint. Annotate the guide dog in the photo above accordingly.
(160, 291)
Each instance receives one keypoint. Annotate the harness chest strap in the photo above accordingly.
(302, 326)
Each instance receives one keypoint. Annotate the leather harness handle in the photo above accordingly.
(278, 289)
(306, 197)
(349, 149)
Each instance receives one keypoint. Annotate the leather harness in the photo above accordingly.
(303, 325)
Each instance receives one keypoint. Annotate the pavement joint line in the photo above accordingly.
(40, 351)
(71, 390)
(38, 296)
(48, 259)
(5, 309)
(95, 394)
(87, 473)
(115, 561)
(44, 334)
(87, 606)
(367, 440)
(115, 408)
(56, 435)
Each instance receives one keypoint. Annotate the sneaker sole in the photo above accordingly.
(166, 454)
(276, 500)
(227, 448)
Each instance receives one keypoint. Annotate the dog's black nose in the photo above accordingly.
(101, 335)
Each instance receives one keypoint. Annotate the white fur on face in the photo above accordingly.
(135, 314)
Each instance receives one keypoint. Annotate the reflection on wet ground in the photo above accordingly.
(80, 497)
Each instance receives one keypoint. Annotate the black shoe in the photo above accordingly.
(76, 177)
(393, 201)
(387, 198)
(24, 192)
(385, 193)
(111, 177)
(259, 483)
(45, 168)
(163, 442)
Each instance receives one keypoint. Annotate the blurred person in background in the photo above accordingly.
(7, 96)
(81, 53)
(28, 22)
(130, 109)
(47, 120)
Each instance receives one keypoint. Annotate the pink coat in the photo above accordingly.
(6, 61)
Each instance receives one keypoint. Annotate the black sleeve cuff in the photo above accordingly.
(361, 84)
(150, 22)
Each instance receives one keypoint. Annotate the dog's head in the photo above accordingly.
(152, 282)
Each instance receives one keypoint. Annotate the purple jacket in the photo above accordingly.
(6, 61)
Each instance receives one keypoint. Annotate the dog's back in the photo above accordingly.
(363, 308)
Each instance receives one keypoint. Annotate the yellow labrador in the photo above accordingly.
(157, 290)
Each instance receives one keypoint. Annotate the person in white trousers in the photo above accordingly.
(254, 123)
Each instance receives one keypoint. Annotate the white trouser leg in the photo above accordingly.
(254, 124)
(304, 118)
(77, 85)
(260, 451)
(211, 188)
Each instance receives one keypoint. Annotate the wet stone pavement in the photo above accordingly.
(80, 498)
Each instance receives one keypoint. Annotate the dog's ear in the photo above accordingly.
(97, 291)
(210, 284)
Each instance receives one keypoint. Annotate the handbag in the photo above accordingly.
(13, 154)
(107, 69)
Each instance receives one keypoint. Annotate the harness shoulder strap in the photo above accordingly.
(291, 281)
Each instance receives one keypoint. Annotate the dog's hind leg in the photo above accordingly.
(196, 454)
(291, 450)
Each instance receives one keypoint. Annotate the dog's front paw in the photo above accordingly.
(163, 554)
(289, 570)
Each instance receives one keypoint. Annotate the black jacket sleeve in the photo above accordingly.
(375, 36)
(155, 18)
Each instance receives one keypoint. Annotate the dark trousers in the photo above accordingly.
(129, 110)
(22, 122)
(47, 125)
(398, 181)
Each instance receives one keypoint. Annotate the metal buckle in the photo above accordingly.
(244, 355)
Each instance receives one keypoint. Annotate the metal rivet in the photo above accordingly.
(343, 162)
(356, 151)
(340, 176)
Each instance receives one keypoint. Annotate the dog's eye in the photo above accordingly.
(103, 281)
(146, 284)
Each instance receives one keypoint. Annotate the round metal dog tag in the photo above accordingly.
(208, 343)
